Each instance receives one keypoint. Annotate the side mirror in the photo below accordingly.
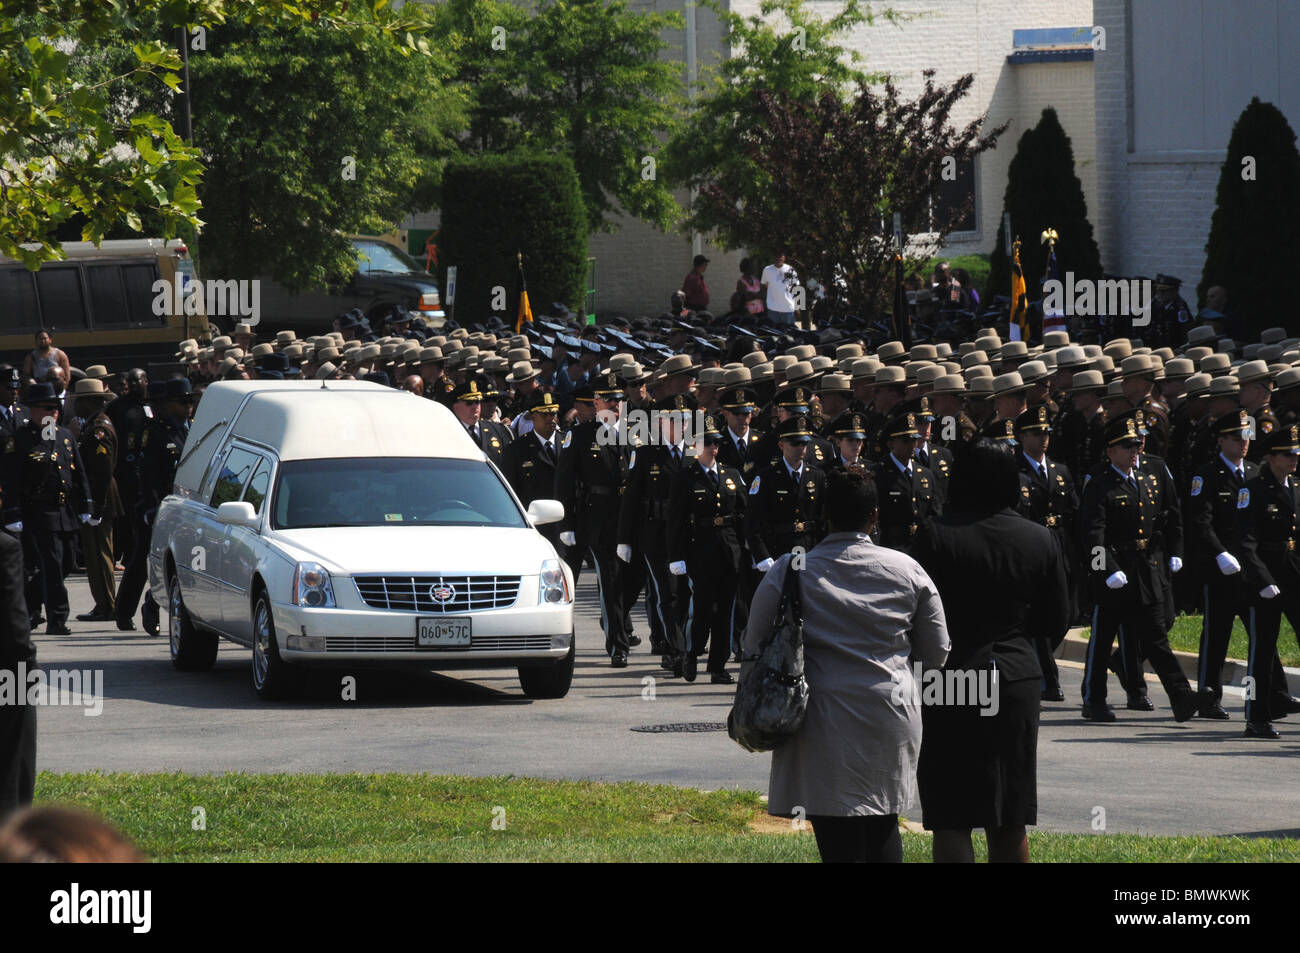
(238, 513)
(545, 511)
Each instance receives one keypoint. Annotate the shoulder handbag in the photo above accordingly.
(772, 694)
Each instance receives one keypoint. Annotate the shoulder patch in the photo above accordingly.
(754, 489)
(1197, 483)
(568, 439)
(1243, 498)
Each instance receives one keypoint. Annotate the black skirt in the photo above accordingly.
(981, 770)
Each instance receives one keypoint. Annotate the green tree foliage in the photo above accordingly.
(309, 135)
(785, 48)
(67, 152)
(1256, 221)
(496, 206)
(1043, 192)
(581, 78)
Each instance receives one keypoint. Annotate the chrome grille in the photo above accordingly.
(489, 643)
(413, 593)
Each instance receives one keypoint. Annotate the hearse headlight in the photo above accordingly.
(312, 587)
(553, 587)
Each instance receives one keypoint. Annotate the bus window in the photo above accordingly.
(140, 295)
(18, 293)
(62, 303)
(106, 292)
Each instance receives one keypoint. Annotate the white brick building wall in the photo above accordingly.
(1174, 78)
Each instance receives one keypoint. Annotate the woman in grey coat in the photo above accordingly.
(851, 767)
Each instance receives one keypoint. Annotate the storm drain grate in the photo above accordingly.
(684, 726)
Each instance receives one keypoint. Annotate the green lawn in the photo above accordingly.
(1186, 637)
(400, 817)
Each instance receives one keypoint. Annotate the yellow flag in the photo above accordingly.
(1019, 298)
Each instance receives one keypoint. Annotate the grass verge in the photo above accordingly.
(1185, 636)
(404, 817)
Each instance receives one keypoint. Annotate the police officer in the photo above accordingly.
(161, 446)
(849, 434)
(97, 444)
(11, 411)
(1118, 514)
(1255, 381)
(1217, 530)
(130, 414)
(790, 403)
(936, 459)
(529, 462)
(784, 509)
(47, 498)
(643, 524)
(467, 405)
(1080, 434)
(594, 453)
(706, 511)
(1171, 318)
(741, 443)
(907, 492)
(1048, 497)
(1272, 523)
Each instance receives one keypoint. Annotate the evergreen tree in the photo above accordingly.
(1256, 223)
(1043, 192)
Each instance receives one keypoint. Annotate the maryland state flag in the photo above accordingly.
(902, 317)
(525, 309)
(1019, 324)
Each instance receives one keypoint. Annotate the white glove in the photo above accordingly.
(85, 519)
(765, 565)
(1116, 580)
(568, 539)
(1175, 564)
(1270, 592)
(94, 521)
(1227, 563)
(678, 568)
(624, 552)
(14, 527)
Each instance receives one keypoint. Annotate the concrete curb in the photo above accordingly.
(1075, 649)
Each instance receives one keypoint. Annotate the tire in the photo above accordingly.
(192, 649)
(551, 680)
(273, 678)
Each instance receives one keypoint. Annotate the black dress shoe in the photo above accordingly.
(634, 640)
(1140, 703)
(96, 616)
(1188, 703)
(1284, 706)
(125, 625)
(1261, 729)
(1053, 695)
(1215, 711)
(722, 678)
(36, 620)
(690, 665)
(618, 660)
(1101, 712)
(56, 628)
(669, 661)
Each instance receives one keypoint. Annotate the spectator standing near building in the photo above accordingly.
(695, 289)
(778, 282)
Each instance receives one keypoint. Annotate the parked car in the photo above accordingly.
(385, 276)
(345, 522)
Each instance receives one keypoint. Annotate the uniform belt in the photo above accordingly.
(1133, 546)
(715, 521)
(604, 490)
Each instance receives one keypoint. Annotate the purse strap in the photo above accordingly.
(790, 598)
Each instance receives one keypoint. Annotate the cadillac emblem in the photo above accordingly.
(442, 593)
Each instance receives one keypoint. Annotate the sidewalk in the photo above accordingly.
(1075, 649)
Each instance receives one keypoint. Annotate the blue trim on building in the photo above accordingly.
(1025, 57)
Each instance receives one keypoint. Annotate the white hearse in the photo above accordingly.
(345, 522)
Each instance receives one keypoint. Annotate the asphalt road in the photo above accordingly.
(1147, 773)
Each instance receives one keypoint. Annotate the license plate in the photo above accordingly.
(442, 633)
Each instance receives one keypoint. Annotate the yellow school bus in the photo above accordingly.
(102, 304)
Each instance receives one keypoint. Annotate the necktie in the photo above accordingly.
(1241, 475)
(1133, 483)
(548, 451)
(740, 448)
(1042, 471)
(677, 456)
(923, 457)
(713, 478)
(797, 475)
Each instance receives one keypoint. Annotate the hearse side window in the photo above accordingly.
(256, 492)
(235, 472)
